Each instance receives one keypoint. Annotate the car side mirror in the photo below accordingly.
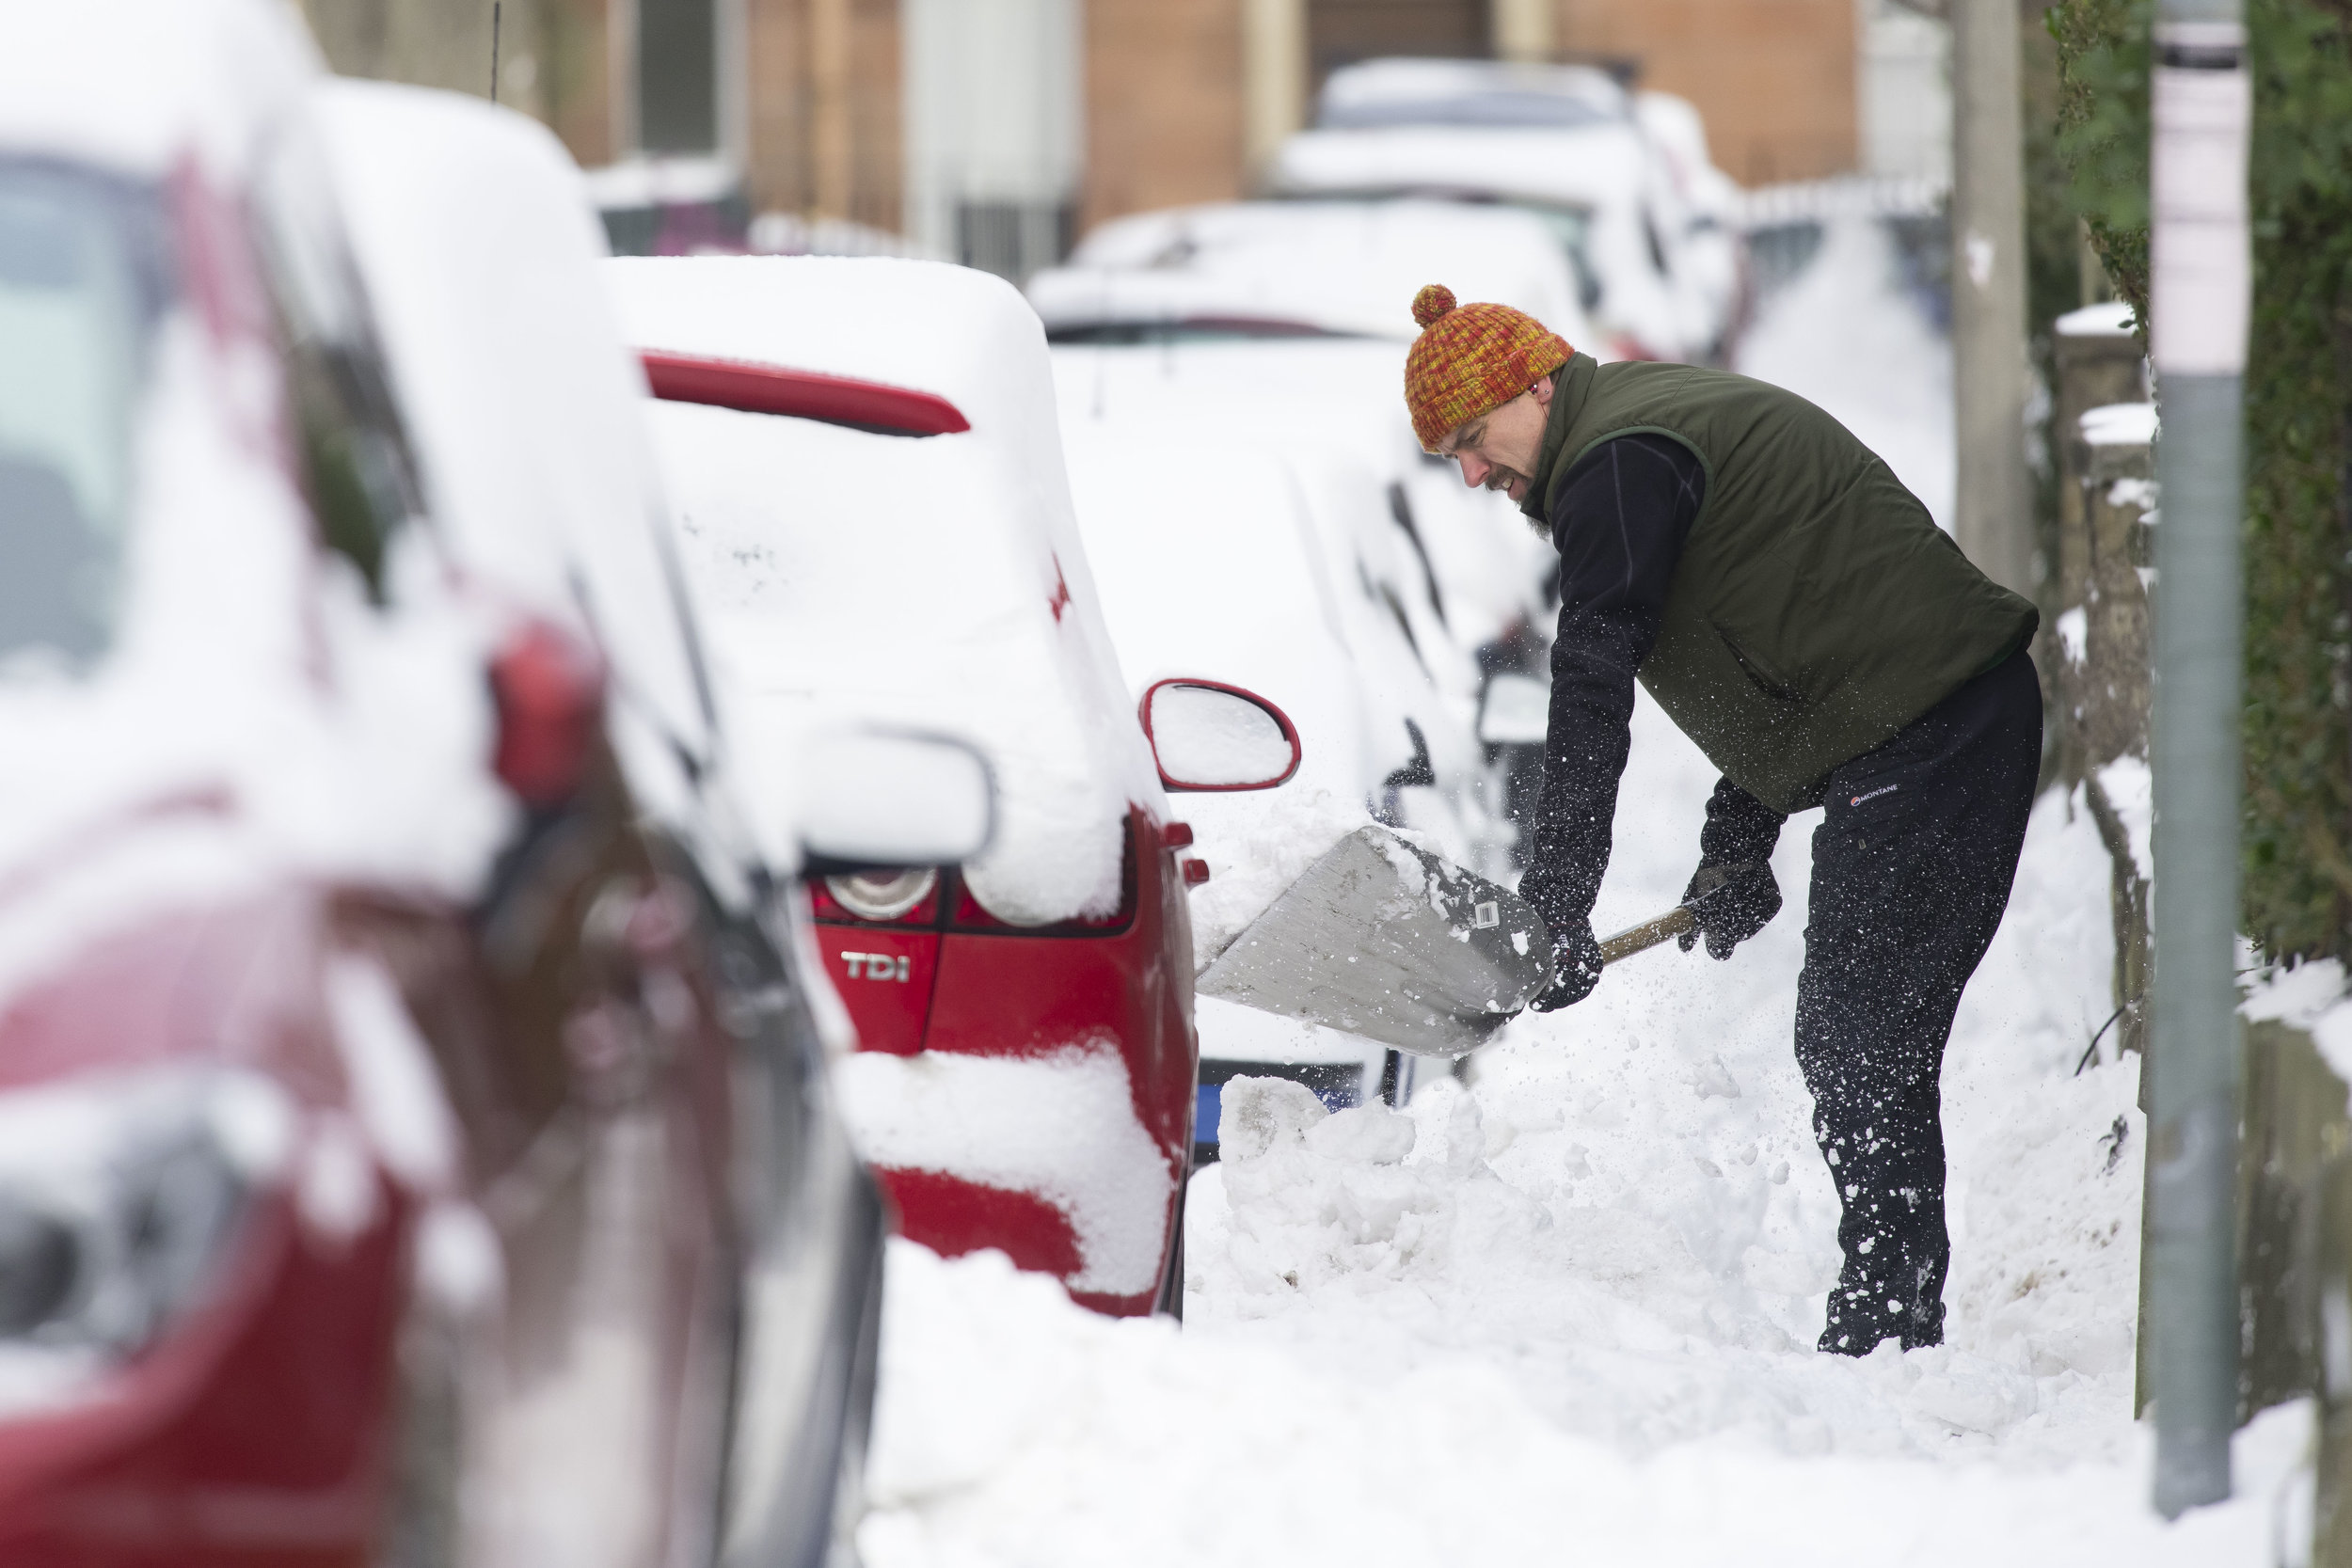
(1515, 710)
(874, 799)
(1208, 736)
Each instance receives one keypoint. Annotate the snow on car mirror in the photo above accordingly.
(1208, 736)
(1515, 711)
(874, 799)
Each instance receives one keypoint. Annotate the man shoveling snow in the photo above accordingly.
(1797, 613)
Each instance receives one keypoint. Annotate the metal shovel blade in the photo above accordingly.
(1392, 943)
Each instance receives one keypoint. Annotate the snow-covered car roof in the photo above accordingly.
(1400, 91)
(1584, 166)
(1599, 183)
(937, 581)
(1333, 266)
(482, 260)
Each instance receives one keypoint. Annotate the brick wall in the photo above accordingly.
(1163, 105)
(1774, 78)
(782, 140)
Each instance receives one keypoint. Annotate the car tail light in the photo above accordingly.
(119, 1199)
(1195, 872)
(549, 687)
(883, 895)
(1176, 835)
(972, 914)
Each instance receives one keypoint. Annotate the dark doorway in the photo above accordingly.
(1343, 31)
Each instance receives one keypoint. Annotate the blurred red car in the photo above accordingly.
(868, 485)
(383, 1049)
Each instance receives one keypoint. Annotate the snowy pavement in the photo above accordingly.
(1564, 1312)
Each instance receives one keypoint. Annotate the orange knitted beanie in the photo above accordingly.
(1470, 358)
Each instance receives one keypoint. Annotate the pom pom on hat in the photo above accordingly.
(1470, 358)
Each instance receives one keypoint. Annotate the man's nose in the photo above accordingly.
(1474, 469)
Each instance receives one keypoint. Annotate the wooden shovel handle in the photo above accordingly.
(1648, 934)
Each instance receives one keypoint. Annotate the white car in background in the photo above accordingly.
(1287, 269)
(1659, 266)
(1233, 562)
(1283, 317)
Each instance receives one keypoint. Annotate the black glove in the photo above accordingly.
(1575, 969)
(1732, 904)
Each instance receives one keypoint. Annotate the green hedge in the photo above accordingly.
(2298, 417)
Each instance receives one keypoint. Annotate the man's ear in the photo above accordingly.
(1542, 391)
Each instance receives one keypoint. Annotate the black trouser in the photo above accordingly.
(1912, 867)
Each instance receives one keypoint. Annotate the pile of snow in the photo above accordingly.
(1567, 1311)
(937, 582)
(2108, 319)
(2119, 424)
(1061, 1126)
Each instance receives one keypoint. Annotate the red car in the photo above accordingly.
(385, 1039)
(868, 485)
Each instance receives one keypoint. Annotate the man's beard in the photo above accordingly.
(1502, 479)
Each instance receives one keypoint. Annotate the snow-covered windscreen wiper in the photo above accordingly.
(84, 276)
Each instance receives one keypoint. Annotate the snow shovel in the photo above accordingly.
(1387, 941)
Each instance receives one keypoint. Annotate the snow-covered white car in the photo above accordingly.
(1198, 316)
(1659, 262)
(1290, 269)
(1297, 315)
(1230, 559)
(869, 496)
(372, 1090)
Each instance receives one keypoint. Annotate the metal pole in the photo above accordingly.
(2200, 297)
(1994, 516)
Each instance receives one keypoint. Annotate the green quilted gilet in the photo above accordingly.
(1817, 607)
